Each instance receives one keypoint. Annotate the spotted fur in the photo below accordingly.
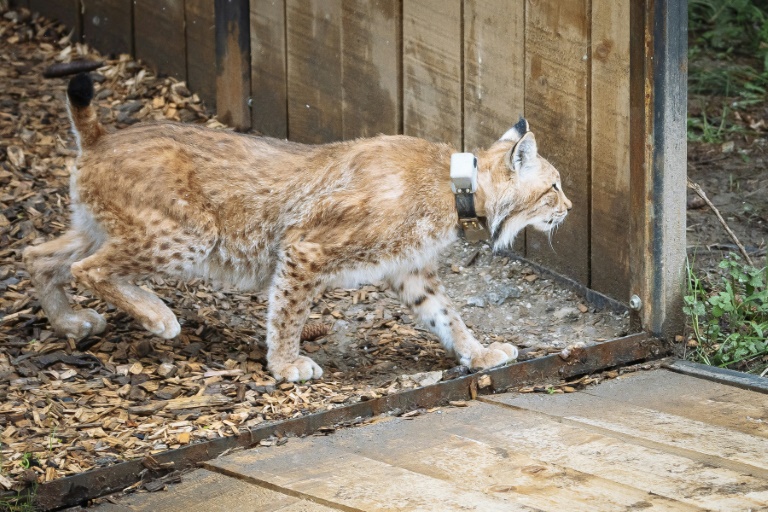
(254, 212)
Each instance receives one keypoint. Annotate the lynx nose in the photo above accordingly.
(568, 204)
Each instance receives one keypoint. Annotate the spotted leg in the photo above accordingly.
(294, 285)
(48, 265)
(421, 290)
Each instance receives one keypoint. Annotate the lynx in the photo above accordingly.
(252, 212)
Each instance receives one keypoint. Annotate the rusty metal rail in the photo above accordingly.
(78, 489)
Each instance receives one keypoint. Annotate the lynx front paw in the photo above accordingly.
(80, 324)
(166, 326)
(303, 368)
(495, 355)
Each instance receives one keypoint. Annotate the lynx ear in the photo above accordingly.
(523, 157)
(516, 132)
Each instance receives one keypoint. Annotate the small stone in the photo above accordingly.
(136, 368)
(484, 381)
(183, 438)
(476, 301)
(563, 313)
(568, 389)
(458, 403)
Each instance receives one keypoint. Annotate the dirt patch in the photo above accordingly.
(66, 406)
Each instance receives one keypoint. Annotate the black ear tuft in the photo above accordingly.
(522, 126)
(80, 90)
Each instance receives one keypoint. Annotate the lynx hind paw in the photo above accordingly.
(80, 324)
(302, 369)
(496, 354)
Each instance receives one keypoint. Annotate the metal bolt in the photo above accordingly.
(635, 303)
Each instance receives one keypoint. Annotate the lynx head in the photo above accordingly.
(521, 188)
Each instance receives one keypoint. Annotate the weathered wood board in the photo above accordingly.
(269, 108)
(556, 106)
(212, 492)
(494, 69)
(233, 63)
(159, 39)
(314, 70)
(432, 70)
(609, 230)
(65, 11)
(200, 30)
(371, 72)
(108, 25)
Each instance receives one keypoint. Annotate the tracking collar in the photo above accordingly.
(464, 186)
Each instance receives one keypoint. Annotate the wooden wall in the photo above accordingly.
(457, 71)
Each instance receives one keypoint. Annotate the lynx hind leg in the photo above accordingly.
(294, 286)
(107, 273)
(421, 290)
(48, 265)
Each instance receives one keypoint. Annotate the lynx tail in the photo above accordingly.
(85, 123)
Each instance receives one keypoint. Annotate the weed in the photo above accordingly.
(21, 501)
(728, 64)
(26, 460)
(730, 319)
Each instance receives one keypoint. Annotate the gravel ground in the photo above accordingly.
(66, 407)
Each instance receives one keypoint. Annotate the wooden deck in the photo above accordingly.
(655, 440)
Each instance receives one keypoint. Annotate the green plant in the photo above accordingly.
(26, 460)
(729, 320)
(21, 501)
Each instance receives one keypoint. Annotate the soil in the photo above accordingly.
(67, 406)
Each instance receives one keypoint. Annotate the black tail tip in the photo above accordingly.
(80, 90)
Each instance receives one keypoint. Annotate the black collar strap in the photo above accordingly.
(464, 185)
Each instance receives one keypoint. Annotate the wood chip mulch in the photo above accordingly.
(66, 406)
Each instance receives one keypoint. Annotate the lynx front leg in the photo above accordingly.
(422, 291)
(290, 298)
(48, 266)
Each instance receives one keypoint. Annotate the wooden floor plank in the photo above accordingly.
(656, 426)
(571, 449)
(696, 399)
(212, 492)
(528, 480)
(655, 471)
(611, 447)
(349, 480)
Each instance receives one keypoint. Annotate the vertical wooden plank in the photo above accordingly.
(233, 63)
(269, 110)
(556, 105)
(108, 25)
(371, 53)
(159, 36)
(19, 4)
(494, 69)
(65, 11)
(658, 111)
(432, 70)
(200, 32)
(314, 70)
(609, 248)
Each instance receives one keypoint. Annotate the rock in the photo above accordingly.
(422, 379)
(563, 313)
(476, 301)
(500, 296)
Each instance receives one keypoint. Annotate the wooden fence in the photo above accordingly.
(458, 71)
